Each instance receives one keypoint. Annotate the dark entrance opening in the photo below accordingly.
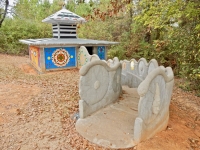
(90, 49)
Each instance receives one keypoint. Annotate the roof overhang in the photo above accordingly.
(66, 42)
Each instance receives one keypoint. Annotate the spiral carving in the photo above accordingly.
(94, 85)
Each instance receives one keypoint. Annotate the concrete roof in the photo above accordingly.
(64, 16)
(66, 42)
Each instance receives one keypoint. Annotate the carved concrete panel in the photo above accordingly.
(142, 68)
(153, 109)
(84, 57)
(99, 85)
(94, 85)
(134, 72)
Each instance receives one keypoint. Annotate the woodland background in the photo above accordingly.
(167, 30)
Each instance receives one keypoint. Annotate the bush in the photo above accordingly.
(14, 30)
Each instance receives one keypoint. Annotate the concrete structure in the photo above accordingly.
(84, 57)
(154, 85)
(133, 72)
(61, 51)
(142, 111)
(99, 85)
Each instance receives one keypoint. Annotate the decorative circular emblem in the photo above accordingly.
(60, 57)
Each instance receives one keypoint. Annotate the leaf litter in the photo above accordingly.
(37, 112)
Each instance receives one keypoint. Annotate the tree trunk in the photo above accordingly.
(5, 12)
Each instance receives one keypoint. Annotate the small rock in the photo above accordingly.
(169, 127)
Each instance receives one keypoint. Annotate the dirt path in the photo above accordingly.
(36, 112)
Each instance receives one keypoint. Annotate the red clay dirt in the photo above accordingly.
(36, 112)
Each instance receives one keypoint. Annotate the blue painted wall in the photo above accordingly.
(101, 51)
(49, 64)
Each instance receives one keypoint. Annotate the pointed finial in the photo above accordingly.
(64, 4)
(63, 7)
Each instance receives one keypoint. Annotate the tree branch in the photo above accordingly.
(5, 12)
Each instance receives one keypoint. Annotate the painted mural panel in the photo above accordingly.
(60, 57)
(35, 56)
(101, 50)
(82, 56)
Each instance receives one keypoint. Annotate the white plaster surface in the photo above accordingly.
(153, 109)
(112, 126)
(99, 85)
(141, 120)
(134, 72)
(84, 57)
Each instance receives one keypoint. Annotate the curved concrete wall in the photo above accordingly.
(99, 85)
(153, 109)
(134, 72)
(155, 85)
(84, 57)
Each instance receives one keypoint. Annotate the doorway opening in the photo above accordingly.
(90, 50)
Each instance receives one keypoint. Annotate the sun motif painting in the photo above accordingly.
(34, 56)
(60, 57)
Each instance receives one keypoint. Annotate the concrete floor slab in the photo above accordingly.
(113, 125)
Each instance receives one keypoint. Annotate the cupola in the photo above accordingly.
(64, 23)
